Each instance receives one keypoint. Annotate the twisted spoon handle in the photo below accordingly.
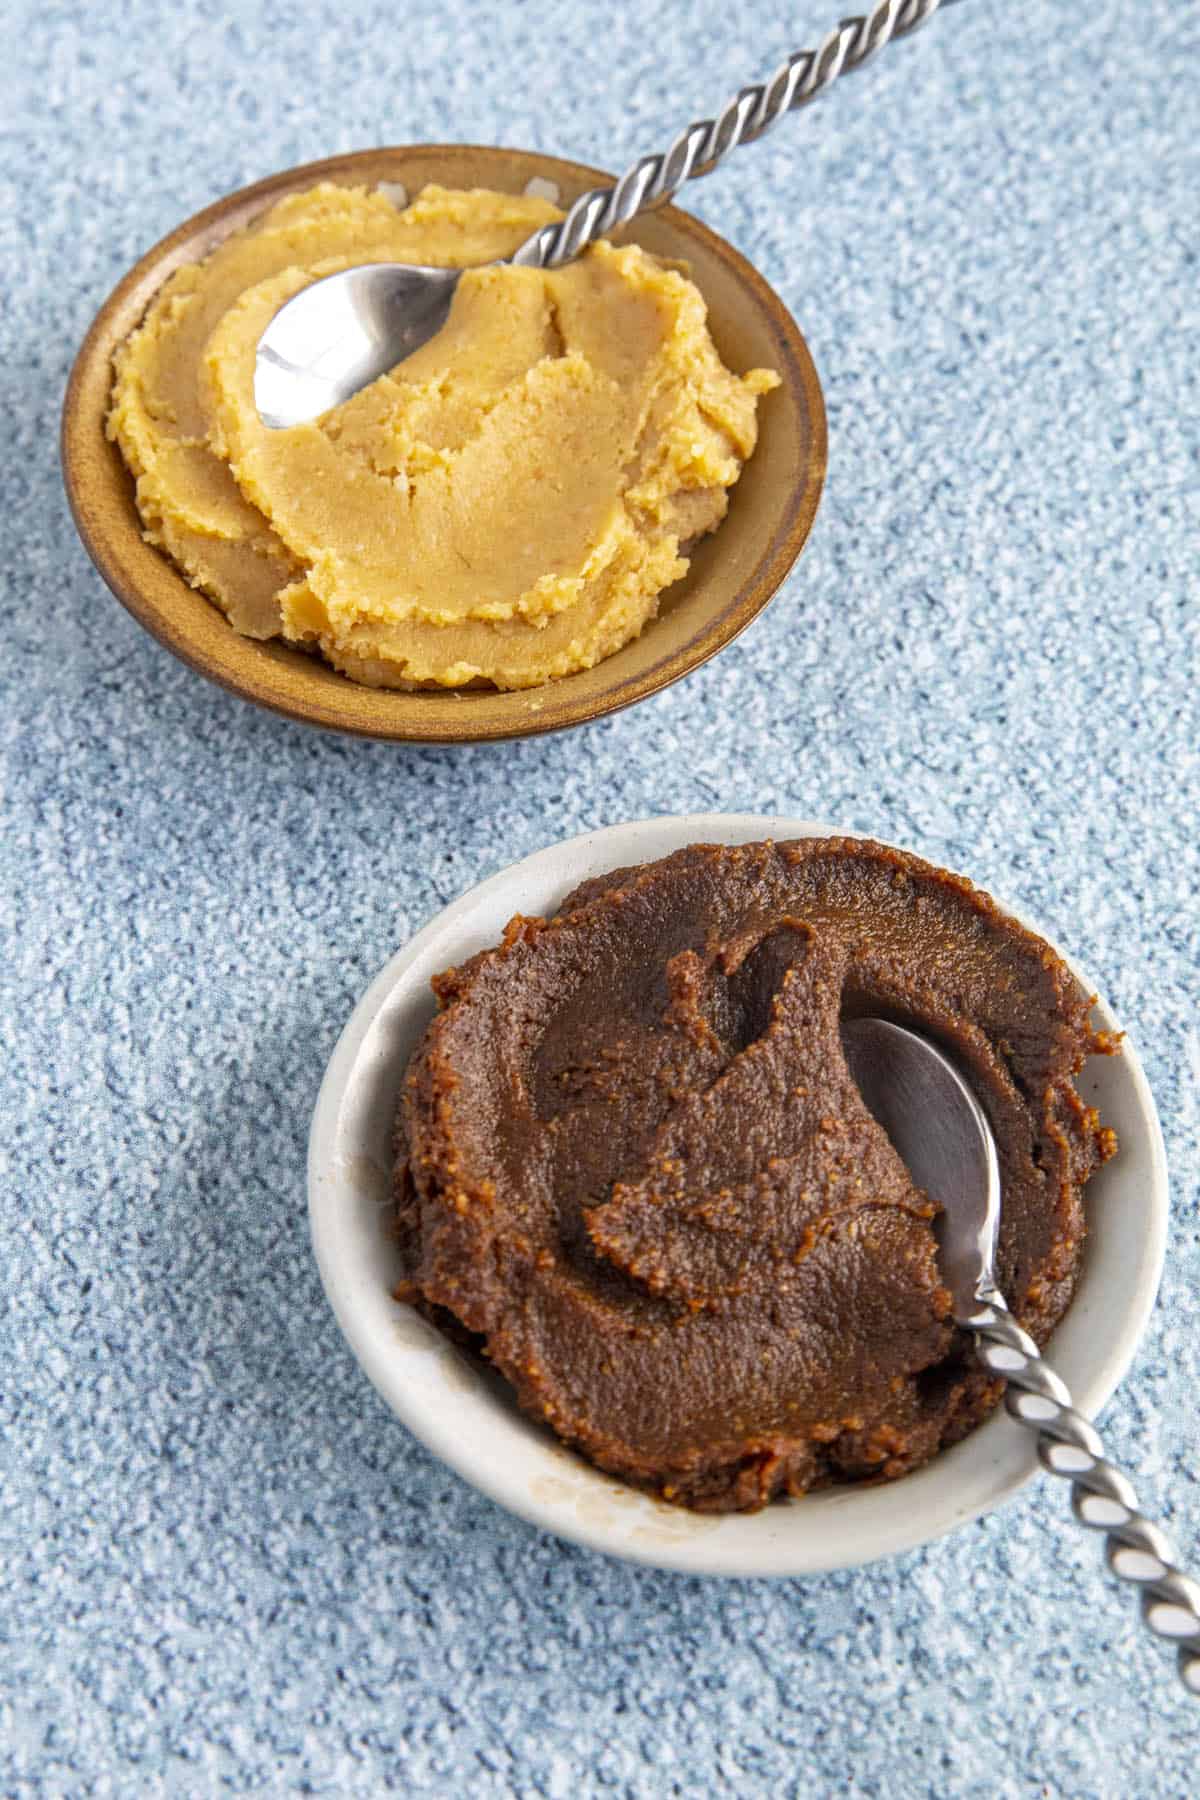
(698, 149)
(1101, 1496)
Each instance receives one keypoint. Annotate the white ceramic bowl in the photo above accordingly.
(464, 1413)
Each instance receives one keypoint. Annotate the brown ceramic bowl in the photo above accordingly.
(733, 573)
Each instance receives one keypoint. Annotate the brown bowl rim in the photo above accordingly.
(107, 538)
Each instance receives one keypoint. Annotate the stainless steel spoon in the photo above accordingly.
(344, 331)
(942, 1134)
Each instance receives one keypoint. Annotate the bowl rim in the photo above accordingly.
(466, 1417)
(114, 544)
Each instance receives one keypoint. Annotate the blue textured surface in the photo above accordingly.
(226, 1568)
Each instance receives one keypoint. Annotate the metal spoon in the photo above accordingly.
(940, 1131)
(344, 331)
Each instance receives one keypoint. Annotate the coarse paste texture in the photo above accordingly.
(503, 507)
(633, 1164)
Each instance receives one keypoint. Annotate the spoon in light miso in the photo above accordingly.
(942, 1135)
(344, 331)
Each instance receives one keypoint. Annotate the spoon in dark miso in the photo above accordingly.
(942, 1135)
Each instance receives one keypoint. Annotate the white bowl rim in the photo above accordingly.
(465, 1417)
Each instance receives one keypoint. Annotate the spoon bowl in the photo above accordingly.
(343, 332)
(942, 1136)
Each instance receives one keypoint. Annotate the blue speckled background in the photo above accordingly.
(225, 1567)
